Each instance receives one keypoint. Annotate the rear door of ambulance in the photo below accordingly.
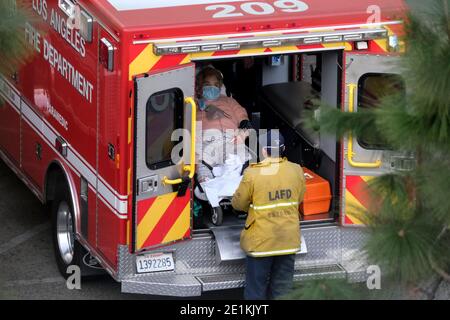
(162, 205)
(368, 79)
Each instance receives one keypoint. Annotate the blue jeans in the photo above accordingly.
(269, 278)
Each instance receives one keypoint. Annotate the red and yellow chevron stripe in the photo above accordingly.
(162, 220)
(147, 61)
(357, 198)
(382, 45)
(143, 59)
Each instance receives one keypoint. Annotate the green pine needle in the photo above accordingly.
(409, 210)
(402, 240)
(326, 289)
(434, 186)
(15, 50)
(342, 123)
(427, 66)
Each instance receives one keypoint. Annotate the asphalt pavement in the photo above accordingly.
(27, 265)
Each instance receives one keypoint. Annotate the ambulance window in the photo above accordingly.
(164, 116)
(372, 88)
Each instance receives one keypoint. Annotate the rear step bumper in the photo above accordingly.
(220, 282)
(333, 252)
(190, 286)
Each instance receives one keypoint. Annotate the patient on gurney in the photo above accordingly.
(224, 129)
(224, 122)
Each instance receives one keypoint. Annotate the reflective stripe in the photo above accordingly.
(10, 94)
(117, 203)
(272, 206)
(273, 253)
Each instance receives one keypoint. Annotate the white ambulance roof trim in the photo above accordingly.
(267, 33)
(130, 5)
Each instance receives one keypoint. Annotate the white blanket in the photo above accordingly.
(226, 181)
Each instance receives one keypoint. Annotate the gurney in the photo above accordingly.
(227, 177)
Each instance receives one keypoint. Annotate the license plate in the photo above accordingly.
(155, 262)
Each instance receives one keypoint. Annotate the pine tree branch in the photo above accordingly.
(15, 50)
(334, 121)
(447, 14)
(433, 263)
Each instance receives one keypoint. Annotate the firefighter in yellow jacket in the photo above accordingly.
(271, 192)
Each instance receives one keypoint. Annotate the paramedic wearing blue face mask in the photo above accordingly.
(217, 113)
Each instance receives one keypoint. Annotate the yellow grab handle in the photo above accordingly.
(191, 167)
(350, 153)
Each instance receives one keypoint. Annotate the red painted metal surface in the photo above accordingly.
(167, 19)
(9, 137)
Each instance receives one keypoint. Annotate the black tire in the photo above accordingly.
(62, 210)
(217, 216)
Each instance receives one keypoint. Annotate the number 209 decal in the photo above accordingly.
(257, 8)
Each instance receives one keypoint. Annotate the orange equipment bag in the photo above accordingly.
(317, 196)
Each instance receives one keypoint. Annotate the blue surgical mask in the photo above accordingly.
(211, 93)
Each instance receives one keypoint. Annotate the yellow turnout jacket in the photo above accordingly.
(271, 192)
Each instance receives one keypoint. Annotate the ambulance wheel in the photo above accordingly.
(217, 216)
(68, 252)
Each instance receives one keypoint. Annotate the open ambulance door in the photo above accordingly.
(368, 78)
(164, 162)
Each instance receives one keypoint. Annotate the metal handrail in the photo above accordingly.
(191, 167)
(350, 153)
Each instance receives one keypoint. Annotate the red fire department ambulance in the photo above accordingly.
(87, 124)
